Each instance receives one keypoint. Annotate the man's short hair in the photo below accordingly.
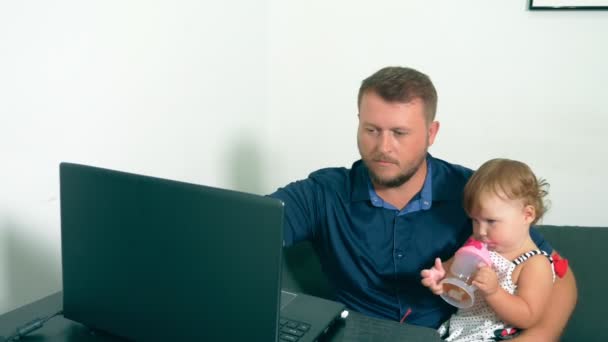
(401, 84)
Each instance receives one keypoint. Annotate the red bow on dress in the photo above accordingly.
(560, 265)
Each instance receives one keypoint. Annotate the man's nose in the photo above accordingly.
(385, 142)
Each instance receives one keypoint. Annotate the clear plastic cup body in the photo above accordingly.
(457, 287)
(464, 266)
(458, 293)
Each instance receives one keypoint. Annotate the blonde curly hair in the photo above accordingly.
(510, 178)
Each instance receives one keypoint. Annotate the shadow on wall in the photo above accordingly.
(4, 289)
(246, 166)
(31, 267)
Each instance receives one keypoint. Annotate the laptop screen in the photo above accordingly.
(153, 259)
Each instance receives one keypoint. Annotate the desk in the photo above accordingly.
(356, 328)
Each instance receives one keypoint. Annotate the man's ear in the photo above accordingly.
(432, 130)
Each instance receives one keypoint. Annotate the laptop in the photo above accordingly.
(151, 259)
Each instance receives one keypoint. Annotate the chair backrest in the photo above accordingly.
(302, 271)
(582, 246)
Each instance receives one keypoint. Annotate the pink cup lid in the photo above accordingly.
(477, 248)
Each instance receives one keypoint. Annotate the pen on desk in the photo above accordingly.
(29, 327)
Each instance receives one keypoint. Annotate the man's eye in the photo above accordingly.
(399, 133)
(491, 222)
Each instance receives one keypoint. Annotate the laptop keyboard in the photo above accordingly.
(290, 330)
(361, 328)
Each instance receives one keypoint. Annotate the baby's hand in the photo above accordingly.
(432, 277)
(486, 280)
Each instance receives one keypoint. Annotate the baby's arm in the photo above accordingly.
(431, 277)
(524, 308)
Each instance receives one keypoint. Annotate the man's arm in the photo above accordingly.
(556, 315)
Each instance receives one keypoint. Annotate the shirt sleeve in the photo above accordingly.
(301, 201)
(540, 241)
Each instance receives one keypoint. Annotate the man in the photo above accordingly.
(376, 225)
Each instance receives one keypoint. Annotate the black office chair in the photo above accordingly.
(585, 248)
(302, 271)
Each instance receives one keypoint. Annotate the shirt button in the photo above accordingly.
(399, 255)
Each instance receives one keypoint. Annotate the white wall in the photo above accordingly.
(172, 89)
(528, 85)
(251, 95)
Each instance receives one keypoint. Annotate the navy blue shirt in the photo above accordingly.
(371, 252)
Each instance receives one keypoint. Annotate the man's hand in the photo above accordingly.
(486, 280)
(432, 277)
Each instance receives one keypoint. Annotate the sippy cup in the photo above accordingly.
(457, 288)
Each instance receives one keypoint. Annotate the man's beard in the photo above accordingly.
(400, 179)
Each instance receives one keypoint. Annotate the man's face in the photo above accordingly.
(393, 138)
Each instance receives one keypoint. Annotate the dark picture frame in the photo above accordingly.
(568, 5)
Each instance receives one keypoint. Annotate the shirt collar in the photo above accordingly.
(360, 179)
(448, 182)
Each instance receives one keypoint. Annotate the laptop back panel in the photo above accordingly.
(154, 260)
